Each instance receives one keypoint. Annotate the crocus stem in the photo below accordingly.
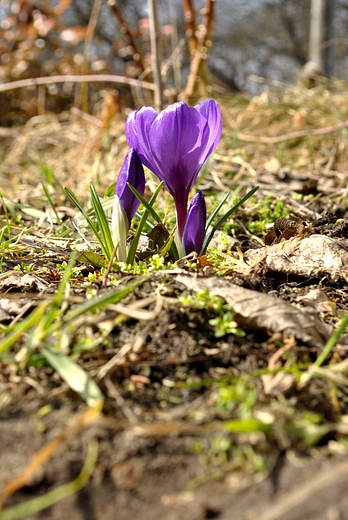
(181, 213)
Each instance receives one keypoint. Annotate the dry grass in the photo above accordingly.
(78, 151)
(167, 352)
(253, 122)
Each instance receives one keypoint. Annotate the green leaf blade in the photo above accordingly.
(74, 375)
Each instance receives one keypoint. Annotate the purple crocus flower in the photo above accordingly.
(126, 203)
(195, 224)
(175, 144)
(132, 171)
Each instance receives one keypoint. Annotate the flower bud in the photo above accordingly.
(195, 224)
(132, 171)
(119, 229)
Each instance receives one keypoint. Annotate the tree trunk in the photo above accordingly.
(322, 49)
(316, 32)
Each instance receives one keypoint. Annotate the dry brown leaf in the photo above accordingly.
(17, 280)
(313, 256)
(259, 311)
(272, 166)
(203, 261)
(278, 383)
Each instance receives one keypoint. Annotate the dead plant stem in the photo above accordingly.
(191, 26)
(198, 69)
(90, 78)
(156, 53)
(128, 35)
(292, 135)
(81, 93)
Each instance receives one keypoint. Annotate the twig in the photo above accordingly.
(115, 394)
(146, 72)
(126, 31)
(174, 42)
(156, 54)
(39, 458)
(90, 78)
(134, 311)
(202, 48)
(292, 135)
(61, 7)
(86, 117)
(114, 361)
(108, 269)
(81, 94)
(191, 26)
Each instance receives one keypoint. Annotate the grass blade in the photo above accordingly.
(52, 314)
(74, 375)
(173, 249)
(145, 203)
(148, 226)
(6, 215)
(50, 201)
(216, 210)
(2, 234)
(48, 175)
(331, 342)
(110, 297)
(224, 218)
(102, 221)
(110, 191)
(168, 244)
(72, 197)
(22, 327)
(135, 241)
(36, 505)
(14, 240)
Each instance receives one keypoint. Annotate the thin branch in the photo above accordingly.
(69, 78)
(111, 261)
(126, 31)
(81, 95)
(156, 54)
(191, 26)
(292, 135)
(204, 43)
(62, 6)
(174, 42)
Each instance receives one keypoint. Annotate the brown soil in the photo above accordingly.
(171, 439)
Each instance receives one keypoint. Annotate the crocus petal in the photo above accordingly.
(132, 171)
(195, 224)
(119, 229)
(137, 134)
(210, 110)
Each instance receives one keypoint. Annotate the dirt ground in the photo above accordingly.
(147, 478)
(199, 421)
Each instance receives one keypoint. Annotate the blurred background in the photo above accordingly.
(249, 46)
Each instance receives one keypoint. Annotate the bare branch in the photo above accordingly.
(291, 135)
(191, 26)
(155, 39)
(81, 94)
(126, 31)
(175, 41)
(204, 42)
(90, 78)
